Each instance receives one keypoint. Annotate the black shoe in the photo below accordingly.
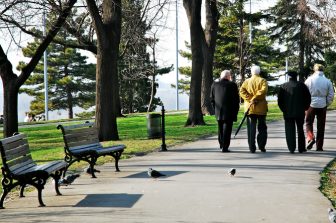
(225, 151)
(262, 150)
(302, 150)
(310, 144)
(319, 150)
(291, 151)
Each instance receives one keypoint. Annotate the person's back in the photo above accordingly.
(225, 104)
(254, 89)
(320, 88)
(294, 99)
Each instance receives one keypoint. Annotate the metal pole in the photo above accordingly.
(45, 72)
(177, 72)
(250, 23)
(163, 130)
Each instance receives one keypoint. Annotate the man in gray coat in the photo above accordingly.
(293, 100)
(225, 100)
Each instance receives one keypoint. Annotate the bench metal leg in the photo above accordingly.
(7, 186)
(22, 190)
(57, 177)
(116, 157)
(39, 185)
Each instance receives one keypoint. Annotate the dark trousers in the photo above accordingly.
(252, 122)
(291, 124)
(224, 133)
(320, 114)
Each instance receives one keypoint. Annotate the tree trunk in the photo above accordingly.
(10, 109)
(70, 103)
(193, 10)
(108, 29)
(211, 29)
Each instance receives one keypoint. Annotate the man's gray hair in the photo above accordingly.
(225, 74)
(255, 69)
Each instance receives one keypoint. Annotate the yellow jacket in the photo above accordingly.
(254, 89)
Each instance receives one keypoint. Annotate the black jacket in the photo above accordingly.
(293, 99)
(225, 100)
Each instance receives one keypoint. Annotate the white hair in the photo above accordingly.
(255, 69)
(225, 74)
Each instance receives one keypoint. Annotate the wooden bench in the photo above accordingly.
(82, 143)
(19, 169)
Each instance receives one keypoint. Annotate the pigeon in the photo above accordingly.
(69, 179)
(332, 215)
(232, 172)
(154, 173)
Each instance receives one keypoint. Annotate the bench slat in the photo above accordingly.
(12, 145)
(12, 139)
(51, 166)
(19, 161)
(17, 152)
(69, 127)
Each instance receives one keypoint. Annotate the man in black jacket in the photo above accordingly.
(293, 100)
(225, 100)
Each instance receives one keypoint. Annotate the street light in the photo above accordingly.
(45, 72)
(177, 72)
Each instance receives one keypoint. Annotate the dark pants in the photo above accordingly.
(224, 133)
(320, 114)
(252, 122)
(291, 124)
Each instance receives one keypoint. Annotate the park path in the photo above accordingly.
(275, 186)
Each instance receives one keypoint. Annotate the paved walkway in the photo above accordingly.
(269, 187)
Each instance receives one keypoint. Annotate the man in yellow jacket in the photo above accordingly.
(254, 91)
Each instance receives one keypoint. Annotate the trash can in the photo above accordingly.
(154, 126)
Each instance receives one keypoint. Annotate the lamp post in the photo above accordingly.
(177, 72)
(45, 72)
(250, 23)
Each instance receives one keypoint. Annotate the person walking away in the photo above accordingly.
(293, 100)
(322, 95)
(225, 101)
(253, 91)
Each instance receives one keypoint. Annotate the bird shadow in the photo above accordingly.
(243, 177)
(145, 175)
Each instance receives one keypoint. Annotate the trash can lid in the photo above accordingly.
(154, 115)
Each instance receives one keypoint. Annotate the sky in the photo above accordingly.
(166, 55)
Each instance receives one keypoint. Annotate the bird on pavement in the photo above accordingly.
(154, 173)
(69, 179)
(232, 172)
(332, 215)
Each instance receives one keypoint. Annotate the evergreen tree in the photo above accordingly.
(71, 81)
(298, 27)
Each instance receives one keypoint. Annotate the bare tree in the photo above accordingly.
(18, 14)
